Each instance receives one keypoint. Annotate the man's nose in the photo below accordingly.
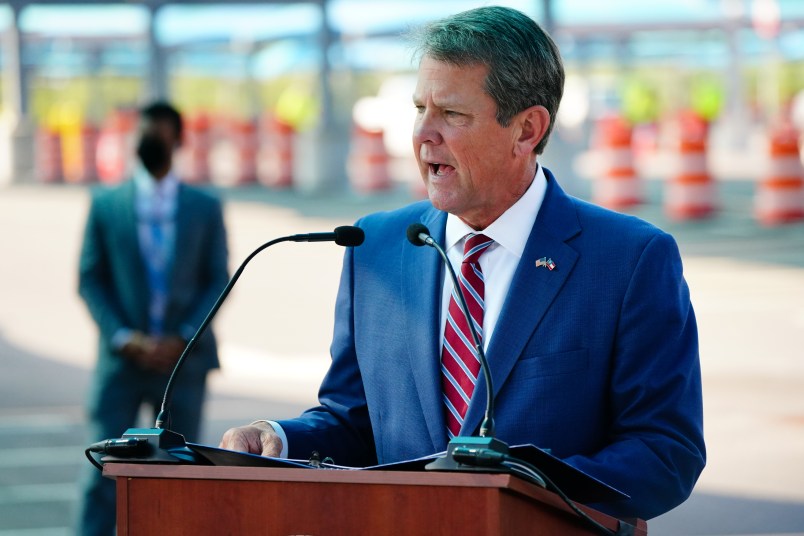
(425, 130)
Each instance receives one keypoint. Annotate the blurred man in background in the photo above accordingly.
(153, 262)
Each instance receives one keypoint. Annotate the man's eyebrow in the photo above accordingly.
(439, 102)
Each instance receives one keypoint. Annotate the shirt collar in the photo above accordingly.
(512, 229)
(148, 186)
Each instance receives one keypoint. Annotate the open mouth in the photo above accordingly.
(440, 169)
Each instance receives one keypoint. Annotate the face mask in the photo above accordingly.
(154, 153)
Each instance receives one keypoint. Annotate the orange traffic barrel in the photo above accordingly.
(47, 163)
(779, 196)
(616, 184)
(193, 156)
(82, 144)
(690, 191)
(116, 147)
(275, 153)
(368, 162)
(233, 157)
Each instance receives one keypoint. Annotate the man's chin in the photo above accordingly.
(441, 200)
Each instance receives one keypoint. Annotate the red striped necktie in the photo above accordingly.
(460, 364)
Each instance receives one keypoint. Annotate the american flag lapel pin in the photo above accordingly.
(547, 263)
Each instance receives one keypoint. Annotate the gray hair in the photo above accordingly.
(525, 67)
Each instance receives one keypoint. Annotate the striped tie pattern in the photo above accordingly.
(460, 364)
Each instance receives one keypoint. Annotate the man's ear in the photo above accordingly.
(532, 125)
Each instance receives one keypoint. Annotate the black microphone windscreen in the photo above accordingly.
(413, 232)
(349, 236)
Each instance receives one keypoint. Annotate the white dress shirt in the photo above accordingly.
(510, 233)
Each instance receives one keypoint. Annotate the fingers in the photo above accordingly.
(237, 439)
(137, 346)
(164, 358)
(243, 439)
(156, 354)
(258, 438)
(271, 444)
(171, 346)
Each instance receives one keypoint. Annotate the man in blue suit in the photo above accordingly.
(153, 262)
(587, 321)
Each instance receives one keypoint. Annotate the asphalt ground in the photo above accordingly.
(747, 285)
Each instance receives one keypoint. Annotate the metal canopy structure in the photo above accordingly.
(15, 80)
(583, 34)
(328, 141)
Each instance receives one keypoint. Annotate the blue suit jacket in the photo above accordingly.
(596, 360)
(112, 273)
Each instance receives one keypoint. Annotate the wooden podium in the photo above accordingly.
(198, 500)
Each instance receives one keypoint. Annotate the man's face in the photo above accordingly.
(470, 163)
(158, 140)
(161, 129)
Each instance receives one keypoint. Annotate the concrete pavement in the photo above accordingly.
(747, 286)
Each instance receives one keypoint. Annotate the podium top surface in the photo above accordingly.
(278, 474)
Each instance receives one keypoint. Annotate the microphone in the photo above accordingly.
(419, 235)
(158, 444)
(346, 235)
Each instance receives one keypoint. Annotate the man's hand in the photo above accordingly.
(136, 347)
(256, 438)
(157, 354)
(165, 353)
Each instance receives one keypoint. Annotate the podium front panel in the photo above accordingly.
(176, 500)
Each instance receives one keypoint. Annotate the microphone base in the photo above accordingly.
(487, 455)
(154, 445)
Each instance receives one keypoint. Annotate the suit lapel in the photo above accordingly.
(183, 219)
(185, 224)
(125, 213)
(533, 290)
(422, 275)
(128, 246)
